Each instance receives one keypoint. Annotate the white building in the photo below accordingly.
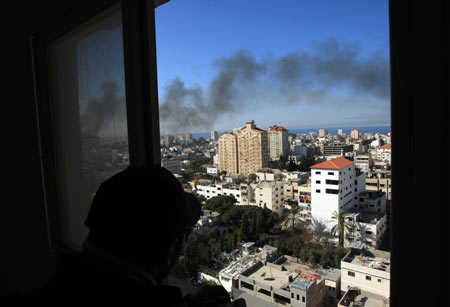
(270, 194)
(211, 170)
(173, 165)
(370, 271)
(335, 185)
(323, 132)
(220, 189)
(368, 229)
(364, 162)
(384, 153)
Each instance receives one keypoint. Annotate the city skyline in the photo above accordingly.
(294, 64)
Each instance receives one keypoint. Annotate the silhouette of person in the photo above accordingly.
(138, 223)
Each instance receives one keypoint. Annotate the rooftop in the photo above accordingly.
(336, 164)
(374, 259)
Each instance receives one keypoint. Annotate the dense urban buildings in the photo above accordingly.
(345, 175)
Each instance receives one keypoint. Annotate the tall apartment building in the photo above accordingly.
(323, 132)
(188, 136)
(335, 185)
(340, 132)
(278, 142)
(364, 162)
(253, 149)
(228, 153)
(355, 134)
(214, 135)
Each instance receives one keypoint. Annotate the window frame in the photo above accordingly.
(141, 92)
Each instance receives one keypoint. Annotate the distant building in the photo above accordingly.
(211, 170)
(364, 162)
(335, 185)
(228, 153)
(223, 189)
(355, 134)
(253, 149)
(214, 135)
(270, 194)
(323, 132)
(368, 229)
(384, 153)
(337, 149)
(173, 165)
(278, 142)
(188, 137)
(340, 132)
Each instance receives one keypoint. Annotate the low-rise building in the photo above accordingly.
(372, 201)
(289, 282)
(270, 194)
(367, 270)
(173, 165)
(222, 189)
(367, 229)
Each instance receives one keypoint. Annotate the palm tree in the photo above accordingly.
(319, 229)
(341, 225)
(293, 212)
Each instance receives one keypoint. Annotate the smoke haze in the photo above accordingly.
(300, 77)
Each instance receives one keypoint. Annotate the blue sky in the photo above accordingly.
(300, 64)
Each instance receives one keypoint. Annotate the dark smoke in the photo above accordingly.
(101, 110)
(298, 77)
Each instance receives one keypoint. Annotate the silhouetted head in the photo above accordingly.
(140, 214)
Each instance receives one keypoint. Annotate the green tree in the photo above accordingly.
(251, 177)
(220, 203)
(293, 212)
(341, 225)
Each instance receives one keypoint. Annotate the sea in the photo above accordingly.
(334, 130)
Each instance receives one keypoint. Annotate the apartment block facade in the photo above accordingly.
(335, 185)
(278, 142)
(253, 149)
(228, 157)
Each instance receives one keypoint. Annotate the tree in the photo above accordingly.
(341, 225)
(220, 203)
(319, 229)
(293, 212)
(251, 177)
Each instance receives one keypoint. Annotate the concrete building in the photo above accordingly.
(367, 270)
(188, 137)
(224, 189)
(270, 194)
(212, 170)
(173, 165)
(337, 149)
(355, 134)
(214, 135)
(380, 181)
(340, 132)
(372, 201)
(335, 185)
(169, 140)
(278, 142)
(363, 162)
(304, 202)
(253, 149)
(383, 153)
(228, 153)
(368, 229)
(289, 282)
(323, 132)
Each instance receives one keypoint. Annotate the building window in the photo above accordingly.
(368, 278)
(379, 280)
(317, 191)
(350, 273)
(330, 173)
(317, 173)
(318, 181)
(303, 299)
(331, 191)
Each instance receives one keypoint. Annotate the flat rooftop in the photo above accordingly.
(330, 274)
(271, 277)
(374, 259)
(366, 299)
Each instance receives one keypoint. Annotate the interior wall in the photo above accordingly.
(25, 256)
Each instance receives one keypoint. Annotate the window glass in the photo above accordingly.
(89, 113)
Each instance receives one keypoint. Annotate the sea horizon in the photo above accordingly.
(333, 130)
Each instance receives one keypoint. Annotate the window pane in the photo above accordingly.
(89, 114)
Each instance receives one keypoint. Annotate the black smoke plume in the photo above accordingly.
(298, 77)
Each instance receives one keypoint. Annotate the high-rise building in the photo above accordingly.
(355, 134)
(278, 142)
(323, 132)
(340, 132)
(169, 140)
(334, 186)
(214, 136)
(228, 158)
(188, 137)
(253, 149)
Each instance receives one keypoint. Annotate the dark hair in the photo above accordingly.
(138, 212)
